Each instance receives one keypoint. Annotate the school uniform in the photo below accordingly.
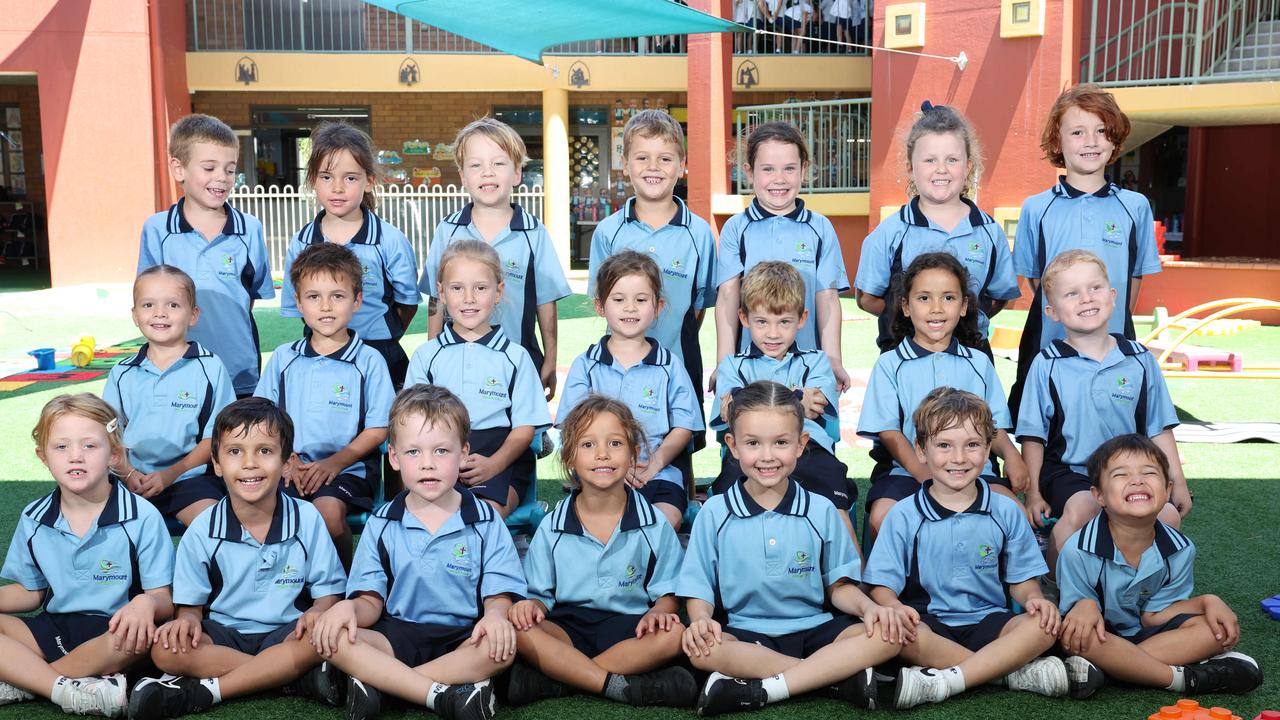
(532, 274)
(1091, 567)
(230, 271)
(390, 280)
(977, 241)
(332, 399)
(253, 593)
(954, 568)
(126, 552)
(685, 252)
(433, 585)
(817, 470)
(1073, 403)
(900, 381)
(1113, 223)
(802, 238)
(499, 385)
(165, 414)
(659, 394)
(598, 591)
(769, 570)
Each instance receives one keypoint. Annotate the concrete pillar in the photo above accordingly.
(710, 105)
(556, 190)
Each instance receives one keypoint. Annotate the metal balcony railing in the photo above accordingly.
(839, 137)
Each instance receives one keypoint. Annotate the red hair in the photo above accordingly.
(1091, 99)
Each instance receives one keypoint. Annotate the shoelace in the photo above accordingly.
(90, 695)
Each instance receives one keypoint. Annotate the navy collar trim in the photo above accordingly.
(224, 525)
(194, 350)
(471, 509)
(911, 213)
(521, 220)
(679, 219)
(1096, 539)
(368, 234)
(930, 509)
(794, 502)
(756, 211)
(656, 356)
(346, 353)
(1065, 189)
(494, 339)
(121, 507)
(1063, 349)
(755, 352)
(177, 221)
(635, 515)
(909, 349)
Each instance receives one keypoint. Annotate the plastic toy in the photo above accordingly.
(44, 359)
(82, 352)
(1191, 710)
(1271, 606)
(1178, 358)
(1268, 715)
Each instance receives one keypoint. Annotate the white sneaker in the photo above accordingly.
(1045, 675)
(918, 685)
(12, 694)
(94, 696)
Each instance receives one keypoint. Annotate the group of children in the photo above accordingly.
(267, 590)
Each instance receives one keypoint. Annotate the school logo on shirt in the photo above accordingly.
(341, 399)
(987, 557)
(370, 280)
(676, 269)
(803, 253)
(493, 388)
(289, 577)
(184, 402)
(459, 562)
(1111, 233)
(512, 268)
(976, 253)
(648, 401)
(228, 268)
(108, 573)
(630, 579)
(1124, 390)
(800, 566)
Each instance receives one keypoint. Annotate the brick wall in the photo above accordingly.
(27, 98)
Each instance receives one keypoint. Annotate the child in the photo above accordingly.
(937, 334)
(337, 388)
(1084, 133)
(948, 561)
(601, 614)
(1125, 580)
(94, 558)
(490, 155)
(773, 312)
(167, 397)
(944, 163)
(778, 227)
(1084, 390)
(221, 248)
(254, 572)
(774, 557)
(494, 376)
(342, 172)
(656, 222)
(637, 370)
(425, 617)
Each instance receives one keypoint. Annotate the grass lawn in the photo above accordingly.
(1233, 526)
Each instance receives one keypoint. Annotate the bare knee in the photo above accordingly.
(1170, 516)
(502, 510)
(334, 513)
(1080, 509)
(879, 510)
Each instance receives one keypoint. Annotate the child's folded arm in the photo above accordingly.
(904, 452)
(16, 598)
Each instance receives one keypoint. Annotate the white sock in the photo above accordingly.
(1179, 683)
(433, 693)
(955, 679)
(215, 689)
(59, 688)
(775, 687)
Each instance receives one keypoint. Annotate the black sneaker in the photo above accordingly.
(168, 697)
(525, 684)
(364, 702)
(670, 687)
(861, 689)
(724, 694)
(473, 701)
(322, 683)
(1084, 679)
(1230, 672)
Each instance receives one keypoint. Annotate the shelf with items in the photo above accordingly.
(22, 241)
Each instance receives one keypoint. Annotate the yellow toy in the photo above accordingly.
(82, 352)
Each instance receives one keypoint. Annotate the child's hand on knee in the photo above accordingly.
(655, 620)
(179, 635)
(133, 627)
(501, 636)
(700, 636)
(477, 469)
(306, 623)
(1036, 508)
(1047, 613)
(1223, 623)
(527, 613)
(329, 628)
(1081, 626)
(814, 403)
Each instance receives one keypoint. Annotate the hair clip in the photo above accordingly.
(799, 393)
(112, 424)
(734, 392)
(926, 106)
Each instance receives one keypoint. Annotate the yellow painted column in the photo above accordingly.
(556, 191)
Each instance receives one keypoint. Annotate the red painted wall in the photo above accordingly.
(1220, 219)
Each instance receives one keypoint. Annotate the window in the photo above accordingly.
(13, 172)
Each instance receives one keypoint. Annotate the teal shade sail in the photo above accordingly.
(525, 28)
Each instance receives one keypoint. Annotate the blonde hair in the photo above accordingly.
(502, 134)
(773, 286)
(477, 250)
(652, 124)
(86, 405)
(581, 417)
(184, 281)
(435, 404)
(197, 128)
(945, 120)
(945, 408)
(1066, 260)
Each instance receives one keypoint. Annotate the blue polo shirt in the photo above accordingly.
(657, 389)
(390, 275)
(685, 251)
(441, 578)
(977, 241)
(257, 587)
(331, 398)
(493, 377)
(802, 238)
(1073, 403)
(126, 552)
(533, 275)
(956, 566)
(905, 375)
(797, 369)
(1113, 223)
(567, 567)
(230, 271)
(166, 414)
(1091, 567)
(804, 548)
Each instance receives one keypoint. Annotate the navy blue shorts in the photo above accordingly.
(1058, 483)
(593, 631)
(817, 471)
(415, 644)
(355, 491)
(397, 360)
(1147, 633)
(973, 637)
(247, 643)
(178, 496)
(58, 634)
(516, 476)
(665, 491)
(800, 644)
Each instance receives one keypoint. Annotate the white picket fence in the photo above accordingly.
(414, 210)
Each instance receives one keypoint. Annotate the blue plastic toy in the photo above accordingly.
(1271, 606)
